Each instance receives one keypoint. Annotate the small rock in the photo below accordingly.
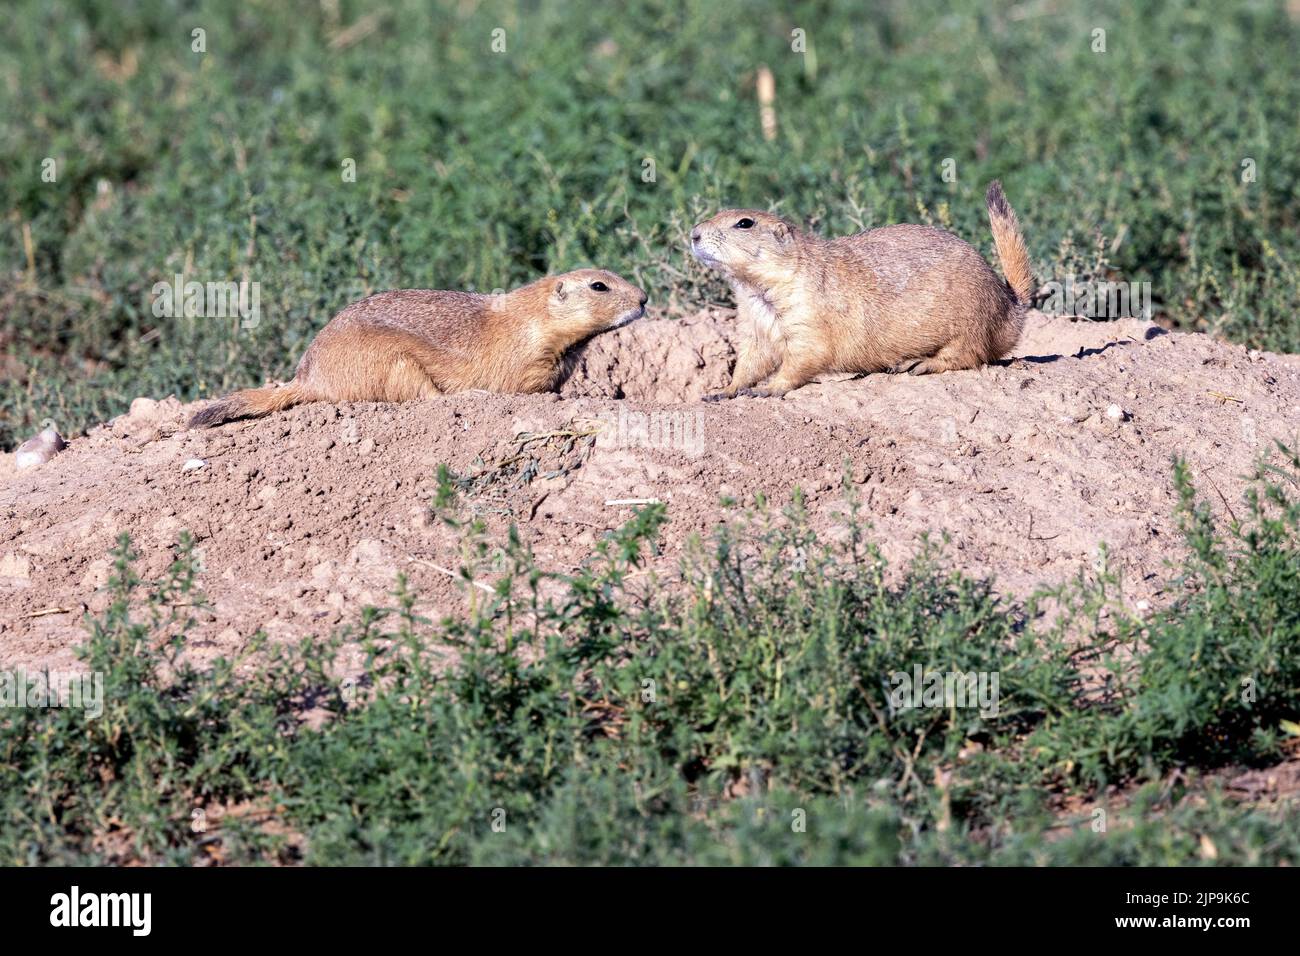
(96, 575)
(143, 408)
(15, 565)
(39, 449)
(194, 464)
(1117, 414)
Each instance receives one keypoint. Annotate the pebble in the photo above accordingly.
(39, 449)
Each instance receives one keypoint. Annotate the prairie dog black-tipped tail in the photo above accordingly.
(1010, 243)
(249, 403)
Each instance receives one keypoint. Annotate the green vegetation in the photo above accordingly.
(749, 716)
(483, 169)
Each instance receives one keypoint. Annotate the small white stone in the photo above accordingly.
(40, 449)
(1116, 414)
(194, 464)
(30, 459)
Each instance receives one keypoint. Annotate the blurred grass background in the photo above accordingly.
(482, 169)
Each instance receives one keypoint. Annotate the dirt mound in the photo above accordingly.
(301, 517)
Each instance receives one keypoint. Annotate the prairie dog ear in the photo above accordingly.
(560, 292)
(782, 232)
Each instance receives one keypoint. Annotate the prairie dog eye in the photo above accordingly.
(745, 223)
(600, 287)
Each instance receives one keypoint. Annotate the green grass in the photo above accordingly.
(746, 716)
(483, 170)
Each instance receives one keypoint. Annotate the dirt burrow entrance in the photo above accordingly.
(304, 516)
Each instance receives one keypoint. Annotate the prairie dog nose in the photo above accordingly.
(644, 299)
(695, 234)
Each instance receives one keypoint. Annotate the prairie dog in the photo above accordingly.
(900, 298)
(412, 343)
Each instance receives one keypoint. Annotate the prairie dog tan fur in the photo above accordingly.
(398, 346)
(900, 298)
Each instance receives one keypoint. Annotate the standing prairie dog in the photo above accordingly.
(412, 343)
(900, 298)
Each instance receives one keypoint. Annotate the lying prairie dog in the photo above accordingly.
(398, 346)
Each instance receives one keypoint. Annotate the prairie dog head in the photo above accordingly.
(587, 301)
(748, 245)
